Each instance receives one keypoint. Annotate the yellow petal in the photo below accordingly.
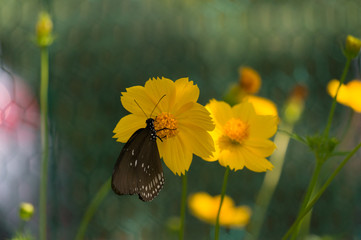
(127, 126)
(263, 126)
(215, 134)
(262, 106)
(342, 96)
(255, 163)
(243, 111)
(138, 94)
(220, 111)
(260, 147)
(157, 88)
(232, 158)
(354, 88)
(196, 115)
(186, 92)
(175, 154)
(198, 140)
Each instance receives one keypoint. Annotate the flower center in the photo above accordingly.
(236, 130)
(166, 125)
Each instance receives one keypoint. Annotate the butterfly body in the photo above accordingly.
(138, 169)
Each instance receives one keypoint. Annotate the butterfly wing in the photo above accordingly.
(138, 169)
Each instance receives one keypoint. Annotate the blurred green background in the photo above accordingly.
(104, 46)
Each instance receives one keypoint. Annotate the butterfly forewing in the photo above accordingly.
(138, 169)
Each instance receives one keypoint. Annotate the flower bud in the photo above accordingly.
(352, 47)
(26, 211)
(44, 29)
(295, 104)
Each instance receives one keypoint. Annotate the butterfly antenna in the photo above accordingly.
(141, 108)
(156, 105)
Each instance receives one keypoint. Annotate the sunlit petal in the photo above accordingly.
(127, 126)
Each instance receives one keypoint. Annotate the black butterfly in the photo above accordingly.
(138, 169)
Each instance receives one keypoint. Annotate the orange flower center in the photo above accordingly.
(166, 125)
(236, 130)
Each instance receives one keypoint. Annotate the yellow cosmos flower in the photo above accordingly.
(205, 207)
(187, 122)
(249, 79)
(241, 136)
(348, 94)
(352, 46)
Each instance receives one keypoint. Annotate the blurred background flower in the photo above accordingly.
(205, 207)
(349, 94)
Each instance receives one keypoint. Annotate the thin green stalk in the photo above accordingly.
(93, 206)
(333, 107)
(183, 206)
(320, 192)
(270, 183)
(223, 191)
(44, 82)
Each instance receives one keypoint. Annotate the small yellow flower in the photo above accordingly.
(241, 136)
(352, 46)
(187, 121)
(348, 94)
(262, 106)
(205, 207)
(249, 79)
(26, 211)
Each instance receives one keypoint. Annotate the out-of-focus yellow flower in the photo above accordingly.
(205, 207)
(262, 106)
(249, 79)
(241, 136)
(26, 211)
(44, 28)
(187, 122)
(352, 46)
(348, 94)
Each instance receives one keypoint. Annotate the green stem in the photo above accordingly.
(183, 206)
(320, 192)
(94, 204)
(333, 107)
(44, 82)
(224, 186)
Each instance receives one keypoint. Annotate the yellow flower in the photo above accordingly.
(241, 136)
(187, 121)
(205, 207)
(262, 106)
(348, 94)
(249, 79)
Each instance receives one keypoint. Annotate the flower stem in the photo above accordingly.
(94, 204)
(44, 82)
(333, 107)
(309, 192)
(183, 206)
(224, 186)
(320, 192)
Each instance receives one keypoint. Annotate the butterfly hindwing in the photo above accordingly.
(138, 169)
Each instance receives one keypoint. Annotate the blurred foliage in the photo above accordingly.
(103, 47)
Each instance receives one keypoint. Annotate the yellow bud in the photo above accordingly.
(26, 211)
(295, 104)
(352, 47)
(44, 28)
